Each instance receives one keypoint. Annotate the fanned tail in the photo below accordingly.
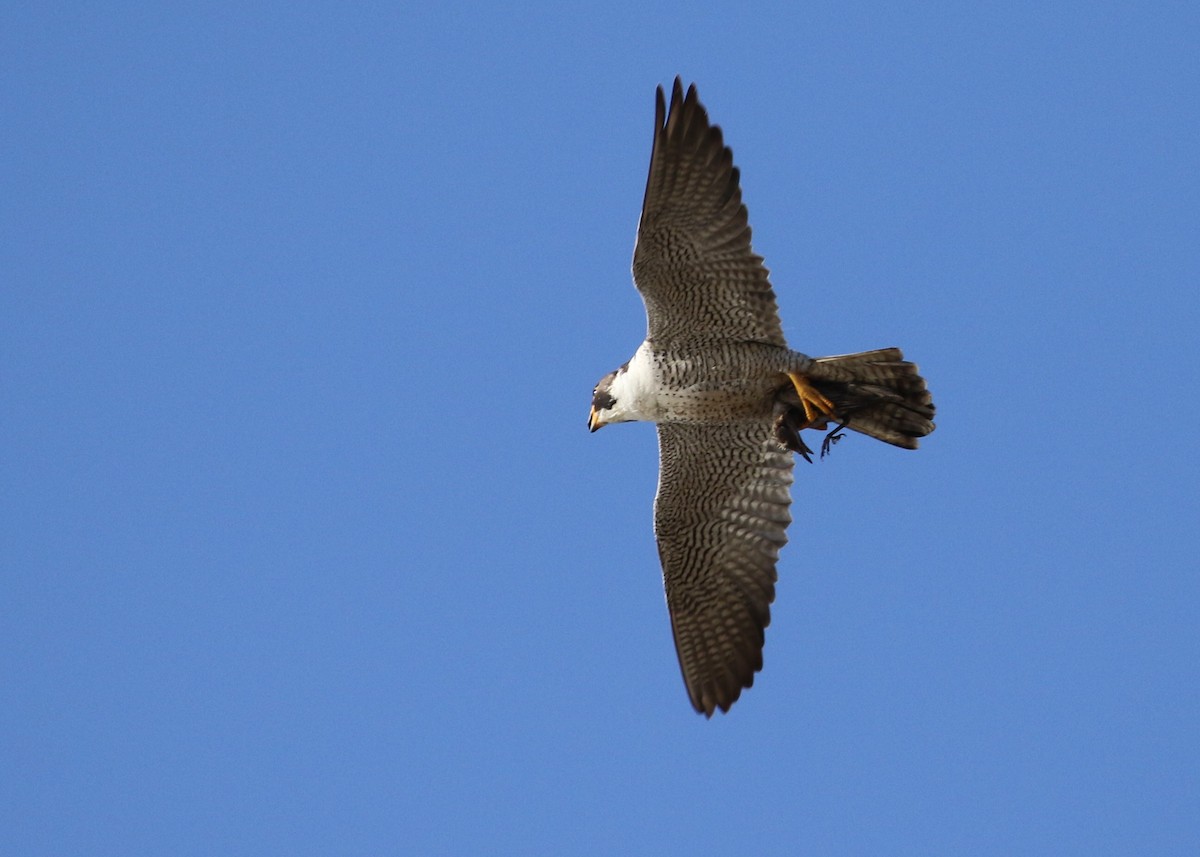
(877, 393)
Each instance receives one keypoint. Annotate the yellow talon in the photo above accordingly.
(817, 408)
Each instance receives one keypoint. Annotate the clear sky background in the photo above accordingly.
(306, 548)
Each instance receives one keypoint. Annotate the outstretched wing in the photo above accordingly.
(693, 263)
(720, 517)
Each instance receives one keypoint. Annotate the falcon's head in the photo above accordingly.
(626, 395)
(604, 403)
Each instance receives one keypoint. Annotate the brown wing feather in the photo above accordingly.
(720, 517)
(693, 263)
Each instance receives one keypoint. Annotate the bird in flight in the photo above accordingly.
(730, 400)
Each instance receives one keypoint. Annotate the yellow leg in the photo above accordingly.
(817, 408)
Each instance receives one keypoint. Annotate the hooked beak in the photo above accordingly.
(594, 422)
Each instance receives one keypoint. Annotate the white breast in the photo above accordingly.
(636, 389)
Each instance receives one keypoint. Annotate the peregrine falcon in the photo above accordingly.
(730, 400)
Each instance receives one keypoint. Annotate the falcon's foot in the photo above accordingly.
(817, 408)
(831, 440)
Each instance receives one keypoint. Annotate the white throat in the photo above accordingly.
(636, 389)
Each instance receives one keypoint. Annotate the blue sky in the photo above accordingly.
(306, 548)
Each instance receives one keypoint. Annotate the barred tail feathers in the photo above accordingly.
(877, 393)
